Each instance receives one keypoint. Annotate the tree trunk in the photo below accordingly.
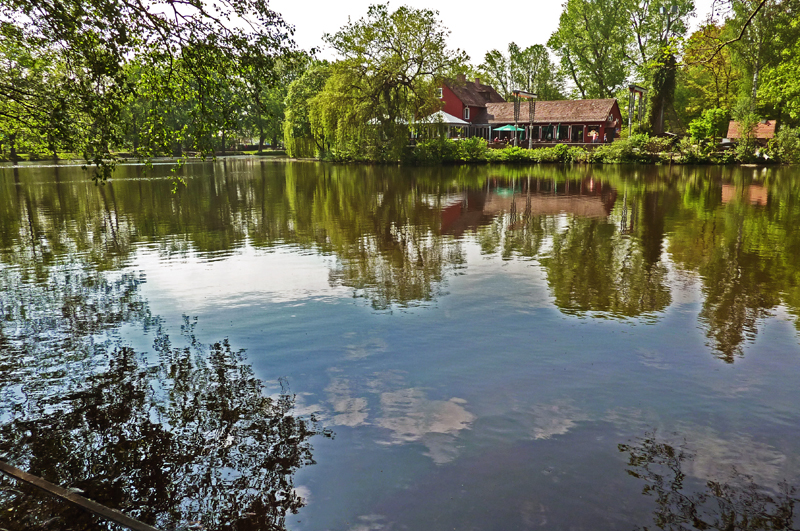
(223, 143)
(755, 86)
(12, 140)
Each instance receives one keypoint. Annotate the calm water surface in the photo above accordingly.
(320, 347)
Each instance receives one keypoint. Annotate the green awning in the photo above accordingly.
(508, 128)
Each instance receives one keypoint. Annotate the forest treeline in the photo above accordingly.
(101, 78)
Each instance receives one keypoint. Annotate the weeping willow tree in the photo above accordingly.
(390, 66)
(298, 136)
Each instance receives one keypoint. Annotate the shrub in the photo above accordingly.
(435, 151)
(711, 124)
(785, 147)
(693, 152)
(472, 149)
(616, 152)
(516, 154)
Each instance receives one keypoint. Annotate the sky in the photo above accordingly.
(470, 23)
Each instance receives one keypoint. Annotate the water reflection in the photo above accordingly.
(183, 437)
(406, 413)
(735, 502)
(607, 238)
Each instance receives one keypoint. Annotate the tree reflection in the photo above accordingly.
(736, 504)
(593, 268)
(744, 254)
(182, 438)
(396, 234)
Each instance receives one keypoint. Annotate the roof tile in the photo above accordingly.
(474, 94)
(552, 111)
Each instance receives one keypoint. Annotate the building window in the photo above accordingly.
(439, 93)
(466, 113)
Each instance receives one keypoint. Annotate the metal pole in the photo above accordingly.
(516, 116)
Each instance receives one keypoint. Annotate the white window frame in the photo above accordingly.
(466, 113)
(439, 93)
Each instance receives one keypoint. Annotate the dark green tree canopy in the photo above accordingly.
(66, 66)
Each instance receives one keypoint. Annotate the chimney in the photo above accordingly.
(477, 81)
(461, 78)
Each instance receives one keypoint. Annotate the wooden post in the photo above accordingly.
(75, 499)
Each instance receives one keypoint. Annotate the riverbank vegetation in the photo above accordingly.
(100, 78)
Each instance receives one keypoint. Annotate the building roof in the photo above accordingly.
(765, 129)
(473, 93)
(563, 111)
(443, 117)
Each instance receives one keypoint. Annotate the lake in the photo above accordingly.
(309, 346)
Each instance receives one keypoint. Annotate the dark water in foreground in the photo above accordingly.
(318, 347)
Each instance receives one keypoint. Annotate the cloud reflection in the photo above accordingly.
(412, 417)
(406, 412)
(556, 418)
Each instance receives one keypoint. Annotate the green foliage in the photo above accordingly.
(616, 152)
(747, 121)
(781, 83)
(298, 136)
(472, 149)
(390, 67)
(712, 124)
(709, 77)
(441, 150)
(529, 69)
(559, 153)
(70, 70)
(435, 151)
(693, 152)
(639, 147)
(591, 43)
(785, 147)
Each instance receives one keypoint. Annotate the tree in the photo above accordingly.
(707, 82)
(763, 37)
(591, 42)
(712, 124)
(193, 46)
(389, 68)
(529, 69)
(264, 112)
(300, 139)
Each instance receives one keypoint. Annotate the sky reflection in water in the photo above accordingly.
(599, 348)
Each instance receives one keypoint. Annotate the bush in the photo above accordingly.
(712, 124)
(693, 152)
(615, 152)
(435, 151)
(472, 149)
(785, 147)
(516, 154)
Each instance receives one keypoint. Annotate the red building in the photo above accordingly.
(762, 132)
(467, 100)
(578, 121)
(571, 121)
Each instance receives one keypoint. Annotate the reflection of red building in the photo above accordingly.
(755, 194)
(534, 197)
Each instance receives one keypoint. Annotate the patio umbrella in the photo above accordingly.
(508, 128)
